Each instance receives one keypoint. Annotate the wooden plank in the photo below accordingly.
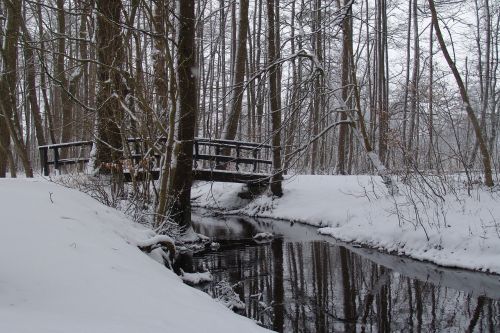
(228, 145)
(203, 141)
(207, 141)
(223, 158)
(209, 175)
(67, 161)
(67, 144)
(141, 175)
(230, 177)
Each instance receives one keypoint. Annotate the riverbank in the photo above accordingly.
(70, 264)
(436, 222)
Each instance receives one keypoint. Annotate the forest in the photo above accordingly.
(395, 88)
(313, 165)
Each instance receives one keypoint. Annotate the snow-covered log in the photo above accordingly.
(157, 241)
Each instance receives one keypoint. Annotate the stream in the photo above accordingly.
(300, 281)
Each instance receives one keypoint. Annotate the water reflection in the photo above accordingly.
(299, 282)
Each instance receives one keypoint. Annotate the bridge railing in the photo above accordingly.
(56, 161)
(217, 152)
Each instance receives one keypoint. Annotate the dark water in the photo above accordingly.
(304, 282)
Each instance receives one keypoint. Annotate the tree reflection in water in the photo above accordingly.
(291, 285)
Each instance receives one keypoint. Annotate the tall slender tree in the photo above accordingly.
(234, 115)
(381, 80)
(275, 110)
(346, 40)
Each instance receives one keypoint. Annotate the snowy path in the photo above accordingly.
(70, 264)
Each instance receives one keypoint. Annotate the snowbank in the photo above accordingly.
(70, 264)
(461, 231)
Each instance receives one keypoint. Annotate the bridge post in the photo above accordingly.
(255, 155)
(56, 158)
(237, 157)
(217, 152)
(196, 153)
(44, 160)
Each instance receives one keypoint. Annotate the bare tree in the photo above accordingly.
(488, 178)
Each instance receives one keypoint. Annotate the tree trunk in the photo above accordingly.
(8, 93)
(277, 176)
(382, 105)
(161, 209)
(31, 81)
(109, 147)
(346, 39)
(182, 170)
(431, 100)
(231, 125)
(4, 131)
(66, 103)
(43, 81)
(294, 100)
(316, 110)
(407, 79)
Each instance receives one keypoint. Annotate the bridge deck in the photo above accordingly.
(214, 175)
(230, 176)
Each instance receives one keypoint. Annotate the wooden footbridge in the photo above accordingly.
(242, 162)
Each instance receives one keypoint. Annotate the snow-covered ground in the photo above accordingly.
(457, 231)
(70, 264)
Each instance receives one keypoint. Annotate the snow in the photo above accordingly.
(226, 296)
(155, 240)
(460, 231)
(263, 235)
(196, 278)
(70, 264)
